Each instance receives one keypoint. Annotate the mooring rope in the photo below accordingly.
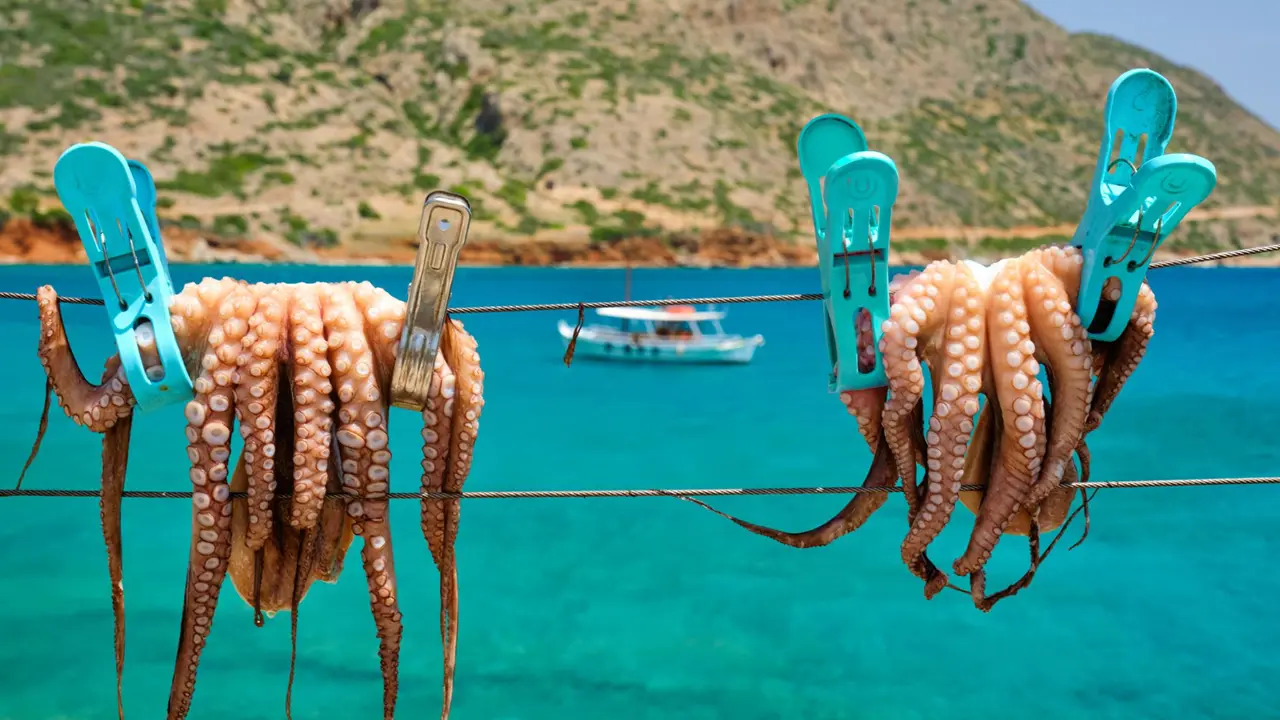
(727, 300)
(642, 493)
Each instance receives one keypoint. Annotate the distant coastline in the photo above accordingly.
(41, 241)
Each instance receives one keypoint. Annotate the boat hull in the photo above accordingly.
(617, 347)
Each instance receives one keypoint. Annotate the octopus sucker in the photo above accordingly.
(303, 370)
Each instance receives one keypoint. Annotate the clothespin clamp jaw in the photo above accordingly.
(851, 194)
(442, 232)
(1138, 197)
(112, 202)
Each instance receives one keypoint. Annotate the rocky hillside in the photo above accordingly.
(320, 124)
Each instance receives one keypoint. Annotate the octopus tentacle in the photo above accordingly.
(437, 433)
(97, 407)
(882, 473)
(1053, 514)
(311, 406)
(380, 568)
(384, 322)
(1124, 355)
(362, 443)
(210, 417)
(193, 312)
(257, 377)
(115, 461)
(919, 307)
(460, 352)
(1019, 395)
(867, 407)
(1063, 343)
(958, 377)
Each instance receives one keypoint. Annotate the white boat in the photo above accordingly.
(677, 334)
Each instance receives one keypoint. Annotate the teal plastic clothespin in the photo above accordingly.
(851, 195)
(1137, 199)
(145, 186)
(112, 201)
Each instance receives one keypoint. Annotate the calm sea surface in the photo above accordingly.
(653, 608)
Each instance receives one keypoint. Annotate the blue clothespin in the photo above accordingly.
(146, 195)
(1137, 199)
(851, 195)
(112, 202)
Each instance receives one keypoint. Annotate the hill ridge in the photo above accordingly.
(322, 123)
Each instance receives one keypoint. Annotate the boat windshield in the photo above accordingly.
(673, 329)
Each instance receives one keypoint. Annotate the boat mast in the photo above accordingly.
(626, 293)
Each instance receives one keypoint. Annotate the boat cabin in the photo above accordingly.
(678, 322)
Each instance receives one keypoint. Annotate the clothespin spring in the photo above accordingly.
(871, 251)
(100, 241)
(1155, 241)
(1132, 168)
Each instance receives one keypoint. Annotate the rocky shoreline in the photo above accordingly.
(24, 241)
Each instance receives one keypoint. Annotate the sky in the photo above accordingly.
(1235, 42)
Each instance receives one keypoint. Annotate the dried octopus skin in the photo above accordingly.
(1021, 439)
(115, 461)
(1122, 359)
(312, 408)
(257, 380)
(97, 407)
(210, 417)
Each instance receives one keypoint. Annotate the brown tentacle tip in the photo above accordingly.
(573, 341)
(44, 426)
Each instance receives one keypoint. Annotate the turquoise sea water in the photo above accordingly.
(653, 608)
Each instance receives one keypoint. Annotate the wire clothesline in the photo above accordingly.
(726, 300)
(677, 493)
(642, 493)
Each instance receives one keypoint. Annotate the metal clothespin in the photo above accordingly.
(112, 202)
(1138, 197)
(851, 195)
(441, 234)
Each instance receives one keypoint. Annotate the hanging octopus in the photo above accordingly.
(304, 371)
(984, 334)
